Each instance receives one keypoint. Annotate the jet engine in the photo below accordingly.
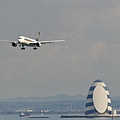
(14, 44)
(38, 44)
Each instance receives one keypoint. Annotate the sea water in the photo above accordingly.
(51, 117)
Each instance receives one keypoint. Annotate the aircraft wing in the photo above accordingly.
(8, 41)
(52, 41)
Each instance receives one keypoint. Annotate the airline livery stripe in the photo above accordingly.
(28, 40)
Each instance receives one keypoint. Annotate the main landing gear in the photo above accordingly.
(34, 48)
(22, 48)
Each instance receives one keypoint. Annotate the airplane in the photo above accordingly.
(25, 41)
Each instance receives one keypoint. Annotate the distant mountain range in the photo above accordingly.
(59, 97)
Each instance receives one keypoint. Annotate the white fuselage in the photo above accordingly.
(26, 41)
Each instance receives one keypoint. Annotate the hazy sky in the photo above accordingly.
(92, 51)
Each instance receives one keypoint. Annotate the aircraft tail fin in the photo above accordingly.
(38, 36)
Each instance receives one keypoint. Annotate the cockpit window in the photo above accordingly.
(19, 38)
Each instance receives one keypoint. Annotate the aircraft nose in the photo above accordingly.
(19, 38)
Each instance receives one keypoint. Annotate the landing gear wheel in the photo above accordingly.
(35, 48)
(22, 48)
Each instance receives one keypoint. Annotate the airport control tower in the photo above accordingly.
(98, 100)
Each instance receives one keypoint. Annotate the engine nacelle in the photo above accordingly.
(14, 44)
(38, 44)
